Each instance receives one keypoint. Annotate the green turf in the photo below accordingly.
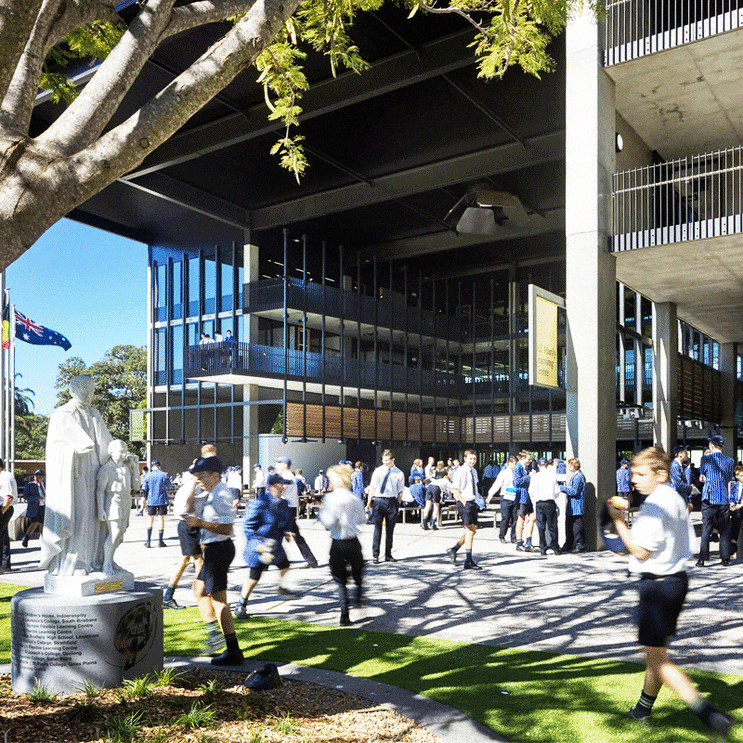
(523, 695)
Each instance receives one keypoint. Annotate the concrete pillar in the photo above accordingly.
(591, 273)
(665, 372)
(728, 369)
(250, 391)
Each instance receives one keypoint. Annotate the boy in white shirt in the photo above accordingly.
(659, 546)
(543, 493)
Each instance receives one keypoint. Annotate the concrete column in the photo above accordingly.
(591, 273)
(665, 372)
(346, 345)
(728, 369)
(250, 391)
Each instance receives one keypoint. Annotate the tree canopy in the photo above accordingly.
(121, 385)
(44, 175)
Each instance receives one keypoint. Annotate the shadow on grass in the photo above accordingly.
(522, 695)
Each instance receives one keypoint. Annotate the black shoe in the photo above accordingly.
(577, 550)
(345, 621)
(286, 591)
(471, 565)
(241, 612)
(390, 559)
(424, 525)
(529, 548)
(717, 721)
(502, 540)
(700, 564)
(434, 526)
(726, 563)
(633, 715)
(520, 547)
(312, 565)
(229, 659)
(376, 561)
(24, 543)
(543, 553)
(452, 553)
(557, 551)
(147, 544)
(161, 544)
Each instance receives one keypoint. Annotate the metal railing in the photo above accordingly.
(250, 359)
(636, 28)
(266, 295)
(687, 199)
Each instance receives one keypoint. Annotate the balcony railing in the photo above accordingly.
(680, 200)
(250, 359)
(636, 28)
(263, 296)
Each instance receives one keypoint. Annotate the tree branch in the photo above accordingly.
(186, 17)
(53, 23)
(84, 120)
(457, 11)
(16, 23)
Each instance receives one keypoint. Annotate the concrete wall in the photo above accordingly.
(310, 457)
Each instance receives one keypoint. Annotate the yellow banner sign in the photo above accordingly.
(545, 333)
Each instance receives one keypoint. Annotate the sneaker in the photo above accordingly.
(241, 612)
(520, 547)
(452, 555)
(530, 548)
(229, 659)
(633, 715)
(213, 645)
(171, 604)
(286, 591)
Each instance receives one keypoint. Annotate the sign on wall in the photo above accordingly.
(546, 343)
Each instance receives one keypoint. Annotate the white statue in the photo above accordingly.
(117, 478)
(76, 447)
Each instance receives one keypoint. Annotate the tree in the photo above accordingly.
(121, 384)
(30, 436)
(45, 175)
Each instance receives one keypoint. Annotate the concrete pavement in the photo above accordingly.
(573, 604)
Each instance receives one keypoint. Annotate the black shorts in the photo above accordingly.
(218, 557)
(468, 512)
(661, 600)
(189, 539)
(38, 518)
(526, 508)
(157, 510)
(433, 494)
(255, 573)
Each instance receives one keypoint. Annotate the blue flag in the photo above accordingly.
(31, 332)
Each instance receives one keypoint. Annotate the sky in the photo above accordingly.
(85, 283)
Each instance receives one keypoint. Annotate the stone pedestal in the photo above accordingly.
(64, 642)
(90, 584)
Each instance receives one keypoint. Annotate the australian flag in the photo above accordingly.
(31, 332)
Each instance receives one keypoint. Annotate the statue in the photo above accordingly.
(76, 446)
(116, 479)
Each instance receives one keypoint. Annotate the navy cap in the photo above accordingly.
(39, 472)
(275, 479)
(155, 462)
(256, 466)
(206, 464)
(271, 468)
(284, 460)
(321, 472)
(679, 448)
(624, 461)
(542, 460)
(717, 440)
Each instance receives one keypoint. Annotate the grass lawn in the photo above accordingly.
(523, 695)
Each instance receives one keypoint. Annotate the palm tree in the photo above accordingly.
(23, 405)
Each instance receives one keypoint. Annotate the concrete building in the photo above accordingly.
(384, 300)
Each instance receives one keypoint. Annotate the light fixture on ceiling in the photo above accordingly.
(487, 211)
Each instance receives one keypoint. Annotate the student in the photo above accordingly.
(575, 537)
(383, 502)
(736, 508)
(543, 493)
(342, 514)
(659, 546)
(215, 521)
(267, 522)
(464, 489)
(508, 506)
(526, 517)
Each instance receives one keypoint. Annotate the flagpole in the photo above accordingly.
(11, 408)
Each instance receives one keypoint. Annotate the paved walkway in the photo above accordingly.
(573, 604)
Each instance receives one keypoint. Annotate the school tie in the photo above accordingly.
(474, 484)
(384, 482)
